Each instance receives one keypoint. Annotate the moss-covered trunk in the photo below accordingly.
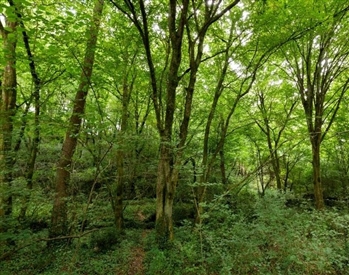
(165, 191)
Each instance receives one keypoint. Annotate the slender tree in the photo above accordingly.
(59, 212)
(120, 155)
(317, 62)
(36, 95)
(7, 112)
(273, 128)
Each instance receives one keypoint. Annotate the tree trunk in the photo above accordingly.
(36, 95)
(277, 172)
(318, 193)
(7, 112)
(222, 167)
(118, 198)
(206, 164)
(275, 162)
(59, 212)
(167, 177)
(170, 159)
(273, 139)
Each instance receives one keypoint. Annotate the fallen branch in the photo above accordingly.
(8, 254)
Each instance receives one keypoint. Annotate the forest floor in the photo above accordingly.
(136, 263)
(137, 257)
(264, 237)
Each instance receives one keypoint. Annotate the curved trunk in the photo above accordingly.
(59, 212)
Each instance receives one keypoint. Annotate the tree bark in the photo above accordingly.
(59, 212)
(169, 160)
(318, 192)
(7, 112)
(165, 188)
(222, 167)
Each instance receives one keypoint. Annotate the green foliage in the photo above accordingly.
(240, 233)
(105, 239)
(183, 212)
(277, 240)
(182, 257)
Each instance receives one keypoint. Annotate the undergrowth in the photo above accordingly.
(240, 235)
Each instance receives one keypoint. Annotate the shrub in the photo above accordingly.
(104, 239)
(278, 240)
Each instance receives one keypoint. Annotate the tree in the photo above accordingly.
(274, 122)
(194, 20)
(317, 62)
(36, 95)
(117, 198)
(237, 70)
(7, 110)
(59, 212)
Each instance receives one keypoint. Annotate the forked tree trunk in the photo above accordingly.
(315, 79)
(167, 170)
(170, 156)
(7, 112)
(59, 212)
(273, 139)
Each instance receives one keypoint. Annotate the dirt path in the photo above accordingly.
(136, 262)
(136, 266)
